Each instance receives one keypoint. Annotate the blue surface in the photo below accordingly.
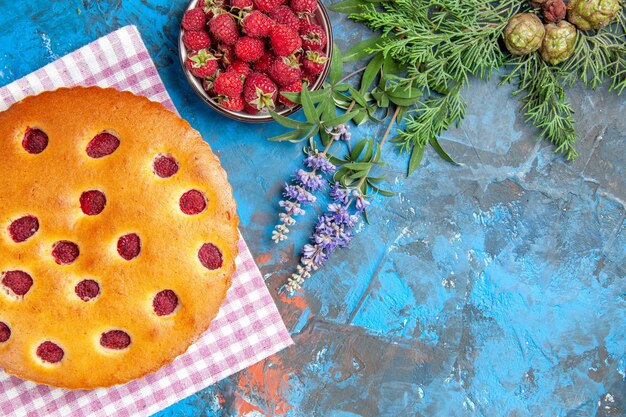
(493, 289)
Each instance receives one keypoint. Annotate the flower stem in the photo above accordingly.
(382, 142)
(393, 119)
(352, 74)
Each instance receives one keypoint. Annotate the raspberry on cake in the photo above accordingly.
(118, 237)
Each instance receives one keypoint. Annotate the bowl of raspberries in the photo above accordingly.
(240, 55)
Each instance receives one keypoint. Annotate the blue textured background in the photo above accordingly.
(492, 289)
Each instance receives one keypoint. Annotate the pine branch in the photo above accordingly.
(545, 104)
(433, 116)
(598, 56)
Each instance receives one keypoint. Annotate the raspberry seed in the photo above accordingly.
(165, 166)
(210, 256)
(192, 202)
(102, 144)
(87, 290)
(65, 252)
(19, 282)
(34, 141)
(115, 339)
(165, 302)
(50, 352)
(5, 332)
(92, 202)
(23, 228)
(129, 246)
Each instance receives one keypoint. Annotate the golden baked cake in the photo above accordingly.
(118, 237)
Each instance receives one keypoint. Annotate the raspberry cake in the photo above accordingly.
(118, 237)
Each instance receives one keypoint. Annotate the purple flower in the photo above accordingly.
(353, 220)
(340, 213)
(343, 132)
(361, 203)
(299, 194)
(313, 255)
(339, 132)
(319, 161)
(309, 180)
(339, 194)
(331, 234)
(291, 207)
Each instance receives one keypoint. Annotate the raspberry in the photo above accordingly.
(196, 40)
(249, 49)
(229, 84)
(313, 37)
(304, 20)
(207, 85)
(259, 91)
(201, 64)
(165, 166)
(267, 5)
(34, 141)
(102, 144)
(194, 19)
(165, 302)
(233, 103)
(294, 87)
(5, 332)
(210, 256)
(264, 62)
(87, 290)
(257, 25)
(240, 67)
(285, 41)
(313, 62)
(241, 4)
(115, 339)
(284, 71)
(192, 202)
(309, 78)
(303, 6)
(224, 28)
(226, 53)
(65, 252)
(285, 16)
(250, 109)
(210, 7)
(92, 202)
(23, 228)
(50, 352)
(19, 282)
(129, 246)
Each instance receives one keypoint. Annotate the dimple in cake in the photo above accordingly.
(118, 237)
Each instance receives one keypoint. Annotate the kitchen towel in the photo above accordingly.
(248, 327)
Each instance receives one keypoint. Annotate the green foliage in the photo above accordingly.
(443, 44)
(545, 102)
(355, 168)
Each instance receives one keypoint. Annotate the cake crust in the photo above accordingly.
(134, 234)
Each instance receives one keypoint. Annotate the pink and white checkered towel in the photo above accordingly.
(248, 327)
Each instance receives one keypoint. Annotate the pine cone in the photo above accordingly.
(559, 42)
(592, 14)
(523, 34)
(554, 11)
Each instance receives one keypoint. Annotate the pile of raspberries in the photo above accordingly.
(247, 52)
